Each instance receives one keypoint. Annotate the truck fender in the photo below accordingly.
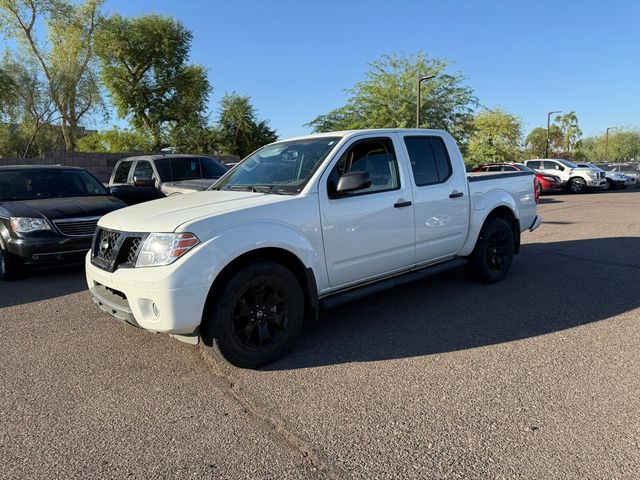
(483, 206)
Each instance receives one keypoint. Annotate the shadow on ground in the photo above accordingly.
(551, 287)
(38, 285)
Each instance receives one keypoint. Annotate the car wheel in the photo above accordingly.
(256, 316)
(492, 256)
(577, 185)
(610, 185)
(10, 266)
(540, 190)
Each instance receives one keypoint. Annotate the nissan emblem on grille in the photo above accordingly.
(104, 246)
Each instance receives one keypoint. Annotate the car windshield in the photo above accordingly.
(32, 184)
(567, 163)
(283, 167)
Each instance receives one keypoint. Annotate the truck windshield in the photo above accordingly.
(283, 167)
(567, 163)
(33, 184)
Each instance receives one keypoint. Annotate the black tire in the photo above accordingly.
(577, 185)
(539, 187)
(610, 185)
(492, 256)
(256, 316)
(10, 266)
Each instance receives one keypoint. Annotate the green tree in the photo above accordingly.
(624, 146)
(496, 137)
(66, 59)
(145, 71)
(239, 132)
(387, 98)
(115, 141)
(7, 92)
(31, 107)
(536, 142)
(570, 131)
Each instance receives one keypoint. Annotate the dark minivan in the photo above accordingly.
(48, 215)
(148, 177)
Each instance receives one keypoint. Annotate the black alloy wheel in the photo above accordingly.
(255, 315)
(491, 258)
(260, 315)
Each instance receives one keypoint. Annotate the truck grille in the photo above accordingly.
(601, 175)
(77, 227)
(112, 249)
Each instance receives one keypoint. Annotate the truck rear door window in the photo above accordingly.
(122, 172)
(429, 159)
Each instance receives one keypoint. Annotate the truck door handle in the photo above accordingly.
(456, 194)
(402, 204)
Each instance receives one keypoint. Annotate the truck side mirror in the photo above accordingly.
(352, 181)
(143, 182)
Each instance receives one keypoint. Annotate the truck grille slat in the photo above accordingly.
(112, 249)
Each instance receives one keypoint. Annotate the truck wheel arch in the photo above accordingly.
(507, 214)
(303, 274)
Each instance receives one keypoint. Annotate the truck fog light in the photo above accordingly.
(156, 310)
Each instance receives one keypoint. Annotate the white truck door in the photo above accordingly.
(370, 232)
(440, 196)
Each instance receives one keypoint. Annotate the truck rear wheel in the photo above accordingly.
(492, 256)
(256, 315)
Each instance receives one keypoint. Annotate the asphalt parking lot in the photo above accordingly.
(535, 377)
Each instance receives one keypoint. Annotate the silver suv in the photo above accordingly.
(577, 179)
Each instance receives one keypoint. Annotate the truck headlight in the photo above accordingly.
(165, 248)
(26, 224)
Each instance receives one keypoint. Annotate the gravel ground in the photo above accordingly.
(535, 377)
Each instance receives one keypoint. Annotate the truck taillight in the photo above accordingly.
(536, 191)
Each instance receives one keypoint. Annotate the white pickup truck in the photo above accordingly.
(301, 224)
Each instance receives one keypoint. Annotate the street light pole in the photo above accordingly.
(546, 146)
(420, 80)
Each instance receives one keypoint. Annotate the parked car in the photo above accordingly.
(545, 182)
(614, 179)
(149, 177)
(577, 179)
(312, 221)
(48, 215)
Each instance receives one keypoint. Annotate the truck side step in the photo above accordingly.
(356, 293)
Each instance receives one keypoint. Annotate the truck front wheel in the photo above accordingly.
(491, 258)
(256, 315)
(577, 185)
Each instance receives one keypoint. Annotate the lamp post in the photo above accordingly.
(606, 144)
(420, 80)
(546, 146)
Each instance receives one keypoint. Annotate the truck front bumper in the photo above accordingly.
(149, 298)
(597, 184)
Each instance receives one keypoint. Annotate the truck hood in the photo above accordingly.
(186, 186)
(167, 214)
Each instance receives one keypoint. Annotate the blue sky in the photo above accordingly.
(295, 58)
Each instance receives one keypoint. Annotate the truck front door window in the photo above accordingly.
(144, 171)
(375, 157)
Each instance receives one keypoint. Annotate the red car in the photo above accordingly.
(545, 182)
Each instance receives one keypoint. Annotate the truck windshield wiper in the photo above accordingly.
(255, 188)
